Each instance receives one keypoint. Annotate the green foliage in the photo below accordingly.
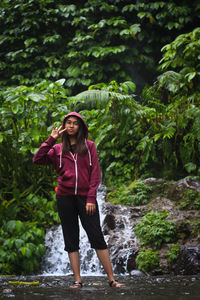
(182, 55)
(154, 229)
(110, 126)
(190, 200)
(147, 260)
(176, 99)
(27, 115)
(120, 130)
(21, 247)
(39, 210)
(173, 254)
(27, 192)
(87, 41)
(134, 140)
(196, 227)
(119, 45)
(137, 193)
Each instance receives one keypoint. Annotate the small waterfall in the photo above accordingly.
(119, 237)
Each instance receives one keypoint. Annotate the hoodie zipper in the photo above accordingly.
(74, 156)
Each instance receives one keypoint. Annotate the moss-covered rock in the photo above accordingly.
(180, 201)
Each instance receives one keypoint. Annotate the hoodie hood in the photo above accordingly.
(77, 115)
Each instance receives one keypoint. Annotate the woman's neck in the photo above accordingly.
(72, 140)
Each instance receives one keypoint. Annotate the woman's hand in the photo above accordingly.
(90, 208)
(56, 132)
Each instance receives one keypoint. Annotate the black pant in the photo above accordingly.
(69, 209)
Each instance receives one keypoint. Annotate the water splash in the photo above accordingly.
(120, 240)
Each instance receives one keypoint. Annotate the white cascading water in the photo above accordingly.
(120, 242)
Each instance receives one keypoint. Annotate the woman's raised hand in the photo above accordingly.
(57, 131)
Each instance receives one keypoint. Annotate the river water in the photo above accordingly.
(96, 288)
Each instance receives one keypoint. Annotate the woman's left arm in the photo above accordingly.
(95, 176)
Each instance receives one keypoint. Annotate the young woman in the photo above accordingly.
(76, 162)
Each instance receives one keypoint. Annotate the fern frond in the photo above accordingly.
(97, 98)
(170, 80)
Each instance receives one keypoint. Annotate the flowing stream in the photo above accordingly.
(96, 288)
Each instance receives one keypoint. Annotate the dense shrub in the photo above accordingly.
(147, 260)
(154, 229)
(88, 41)
(190, 200)
(173, 254)
(22, 245)
(137, 193)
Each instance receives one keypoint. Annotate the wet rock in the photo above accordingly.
(131, 263)
(184, 229)
(7, 291)
(189, 261)
(137, 273)
(119, 267)
(157, 184)
(178, 188)
(110, 221)
(163, 258)
(156, 272)
(137, 212)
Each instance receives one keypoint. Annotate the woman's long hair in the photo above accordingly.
(80, 146)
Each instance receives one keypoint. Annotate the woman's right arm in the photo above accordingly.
(45, 154)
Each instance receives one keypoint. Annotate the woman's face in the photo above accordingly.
(72, 126)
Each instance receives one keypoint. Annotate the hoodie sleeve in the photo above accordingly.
(45, 154)
(95, 176)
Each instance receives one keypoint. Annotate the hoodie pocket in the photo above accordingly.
(83, 180)
(68, 175)
(68, 179)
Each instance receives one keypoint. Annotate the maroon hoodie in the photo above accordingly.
(78, 175)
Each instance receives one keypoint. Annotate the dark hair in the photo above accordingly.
(80, 146)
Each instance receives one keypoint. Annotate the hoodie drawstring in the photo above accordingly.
(60, 159)
(90, 159)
